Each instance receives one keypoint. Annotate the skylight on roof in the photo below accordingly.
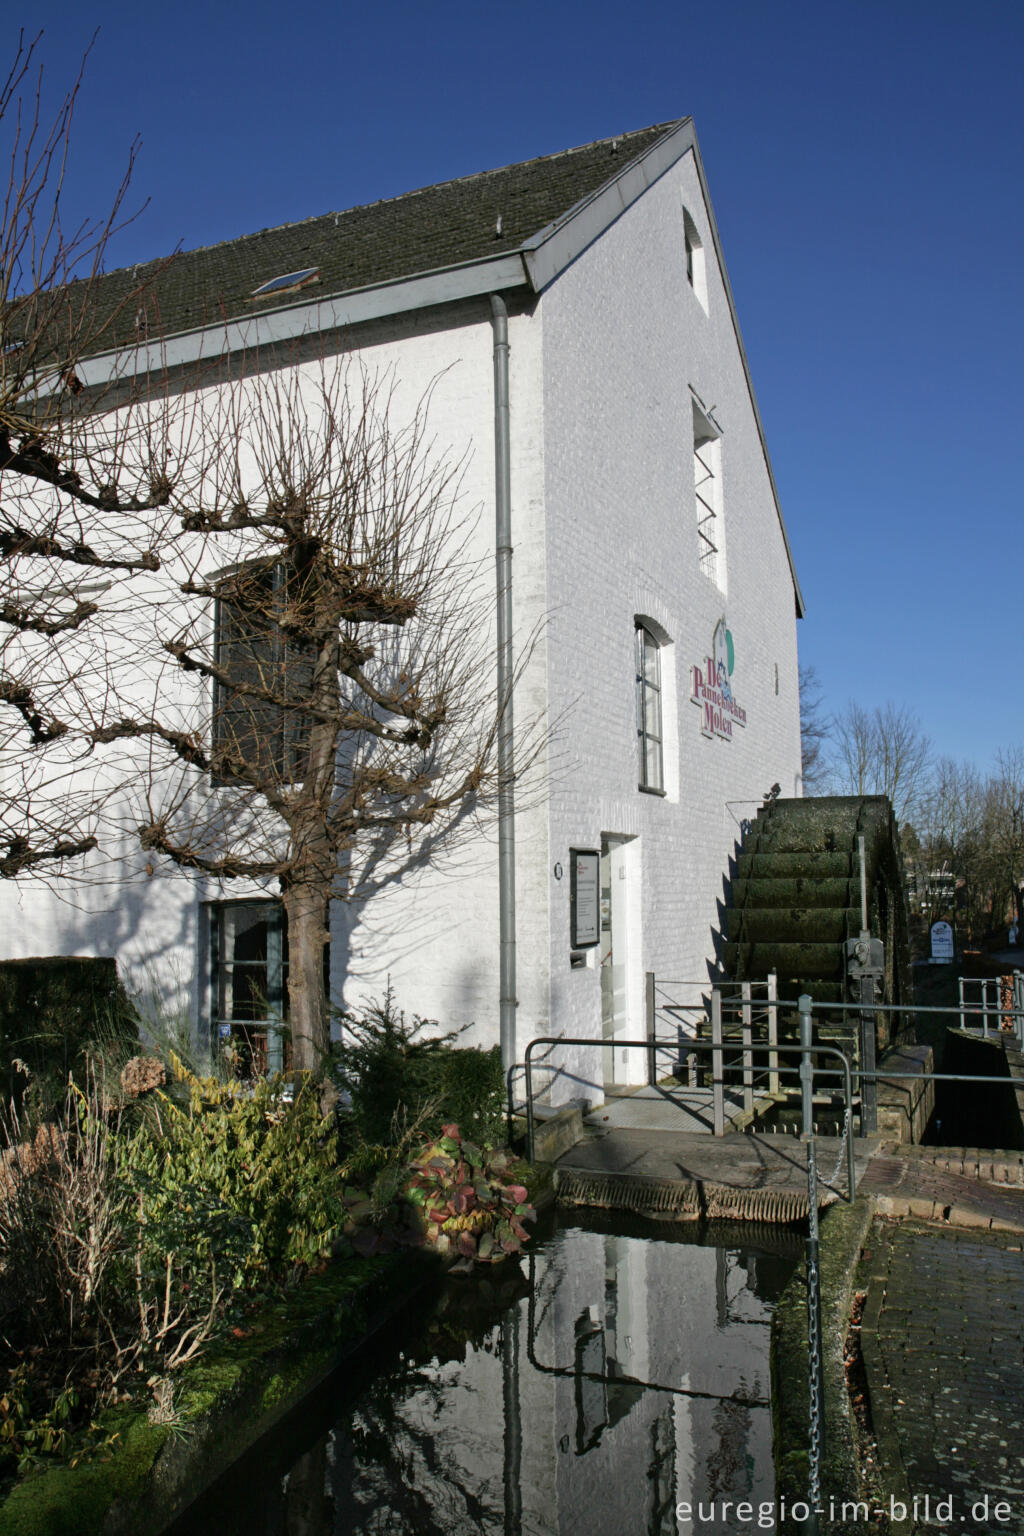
(286, 282)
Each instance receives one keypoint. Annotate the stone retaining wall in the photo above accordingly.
(905, 1107)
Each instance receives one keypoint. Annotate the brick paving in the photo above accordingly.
(950, 1186)
(943, 1346)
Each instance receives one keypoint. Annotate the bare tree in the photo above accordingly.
(815, 728)
(323, 591)
(881, 751)
(953, 836)
(1005, 822)
(77, 503)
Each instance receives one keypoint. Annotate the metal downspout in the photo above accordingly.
(506, 757)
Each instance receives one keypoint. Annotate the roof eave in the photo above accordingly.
(556, 246)
(292, 322)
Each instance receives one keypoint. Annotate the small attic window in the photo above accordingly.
(694, 254)
(287, 282)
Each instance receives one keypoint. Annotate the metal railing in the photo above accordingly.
(754, 1048)
(992, 1004)
(742, 1004)
(1011, 1016)
(806, 1051)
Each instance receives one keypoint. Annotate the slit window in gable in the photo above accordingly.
(707, 488)
(693, 252)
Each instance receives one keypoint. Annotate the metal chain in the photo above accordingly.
(847, 1119)
(814, 1356)
(816, 1373)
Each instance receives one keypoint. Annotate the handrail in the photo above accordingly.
(787, 1002)
(708, 1045)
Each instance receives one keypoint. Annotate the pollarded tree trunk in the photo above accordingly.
(306, 910)
(306, 890)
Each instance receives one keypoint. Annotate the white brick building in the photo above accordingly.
(643, 514)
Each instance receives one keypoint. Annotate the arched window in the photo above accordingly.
(648, 710)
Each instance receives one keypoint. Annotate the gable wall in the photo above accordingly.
(624, 340)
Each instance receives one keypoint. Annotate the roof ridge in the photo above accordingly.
(381, 202)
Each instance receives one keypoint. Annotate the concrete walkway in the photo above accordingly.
(692, 1175)
(674, 1108)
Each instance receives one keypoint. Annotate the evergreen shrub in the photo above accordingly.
(395, 1072)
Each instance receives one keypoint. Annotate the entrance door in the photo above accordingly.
(614, 954)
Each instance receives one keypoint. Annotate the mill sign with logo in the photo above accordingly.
(712, 687)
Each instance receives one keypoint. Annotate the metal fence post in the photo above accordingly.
(529, 1104)
(803, 1003)
(652, 1072)
(868, 1085)
(773, 1033)
(717, 1089)
(748, 1052)
(815, 1351)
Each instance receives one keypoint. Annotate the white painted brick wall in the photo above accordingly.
(625, 339)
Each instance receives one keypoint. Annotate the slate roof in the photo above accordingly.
(422, 231)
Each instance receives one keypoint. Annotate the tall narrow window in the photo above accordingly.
(248, 975)
(648, 711)
(707, 486)
(249, 983)
(693, 250)
(265, 677)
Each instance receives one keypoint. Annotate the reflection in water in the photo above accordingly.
(616, 1374)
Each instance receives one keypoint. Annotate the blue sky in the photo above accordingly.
(865, 162)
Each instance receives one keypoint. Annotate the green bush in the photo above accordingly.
(395, 1073)
(55, 1012)
(251, 1172)
(131, 1232)
(471, 1092)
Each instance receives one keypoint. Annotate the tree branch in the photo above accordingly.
(156, 838)
(184, 743)
(21, 856)
(19, 696)
(16, 541)
(21, 618)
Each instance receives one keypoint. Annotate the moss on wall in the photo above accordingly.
(223, 1403)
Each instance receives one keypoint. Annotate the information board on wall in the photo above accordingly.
(584, 897)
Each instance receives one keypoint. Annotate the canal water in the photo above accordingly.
(621, 1368)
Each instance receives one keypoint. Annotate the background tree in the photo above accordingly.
(953, 839)
(1005, 823)
(321, 587)
(815, 726)
(881, 751)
